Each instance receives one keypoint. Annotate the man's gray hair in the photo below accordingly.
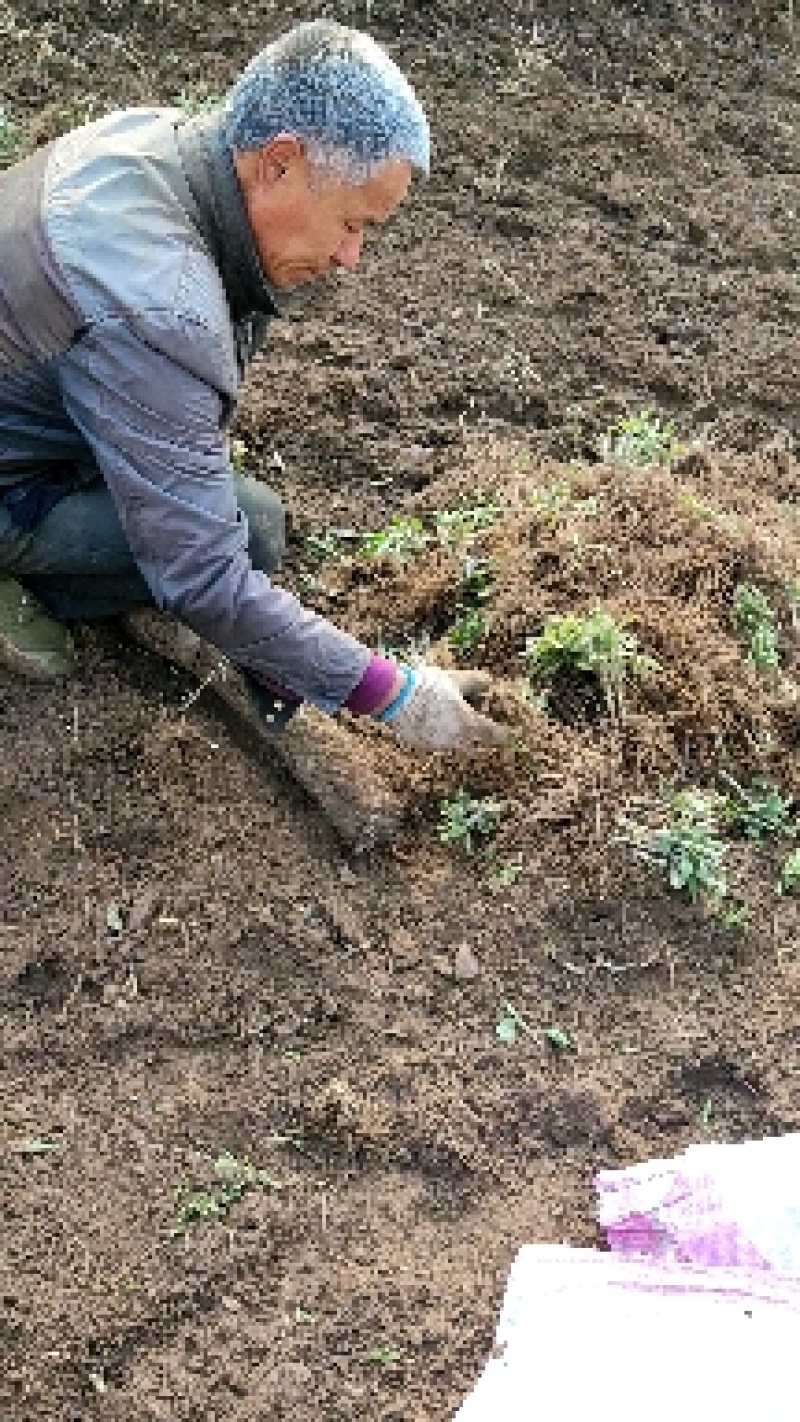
(338, 91)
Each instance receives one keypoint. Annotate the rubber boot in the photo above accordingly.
(32, 643)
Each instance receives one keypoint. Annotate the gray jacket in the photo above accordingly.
(131, 301)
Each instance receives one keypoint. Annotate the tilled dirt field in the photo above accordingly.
(192, 964)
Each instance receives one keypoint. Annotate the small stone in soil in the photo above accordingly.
(466, 966)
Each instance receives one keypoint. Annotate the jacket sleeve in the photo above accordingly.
(155, 430)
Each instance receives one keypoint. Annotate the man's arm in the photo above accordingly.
(154, 429)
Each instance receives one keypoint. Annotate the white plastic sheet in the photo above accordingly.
(714, 1204)
(586, 1336)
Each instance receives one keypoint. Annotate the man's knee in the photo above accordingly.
(266, 521)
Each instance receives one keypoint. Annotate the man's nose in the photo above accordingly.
(348, 252)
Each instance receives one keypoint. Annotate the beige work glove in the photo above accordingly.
(436, 715)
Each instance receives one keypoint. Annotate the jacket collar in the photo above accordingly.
(223, 220)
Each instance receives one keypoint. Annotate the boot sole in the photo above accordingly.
(32, 670)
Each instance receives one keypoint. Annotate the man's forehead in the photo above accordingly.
(376, 199)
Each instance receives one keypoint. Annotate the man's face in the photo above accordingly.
(302, 231)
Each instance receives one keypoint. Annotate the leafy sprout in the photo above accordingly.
(557, 1038)
(385, 1357)
(453, 526)
(596, 644)
(321, 548)
(689, 850)
(475, 590)
(790, 873)
(505, 874)
(512, 1023)
(759, 811)
(641, 440)
(82, 110)
(402, 538)
(707, 513)
(755, 617)
(467, 631)
(463, 818)
(198, 101)
(412, 650)
(239, 455)
(10, 140)
(734, 916)
(475, 580)
(236, 1177)
(557, 500)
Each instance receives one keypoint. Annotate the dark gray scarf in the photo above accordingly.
(225, 228)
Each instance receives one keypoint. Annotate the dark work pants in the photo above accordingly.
(78, 563)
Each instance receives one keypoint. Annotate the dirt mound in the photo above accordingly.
(663, 551)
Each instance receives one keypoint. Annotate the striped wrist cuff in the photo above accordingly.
(402, 697)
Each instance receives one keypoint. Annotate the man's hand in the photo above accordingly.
(437, 715)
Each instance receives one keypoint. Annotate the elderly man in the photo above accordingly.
(139, 261)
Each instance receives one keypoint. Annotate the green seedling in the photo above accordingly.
(759, 811)
(385, 1357)
(453, 526)
(10, 140)
(557, 1039)
(595, 644)
(510, 1026)
(755, 617)
(640, 441)
(734, 916)
(203, 1205)
(692, 805)
(115, 923)
(466, 632)
(524, 692)
(509, 873)
(475, 590)
(312, 586)
(239, 455)
(302, 1315)
(412, 652)
(38, 1146)
(701, 510)
(82, 111)
(322, 548)
(475, 580)
(790, 873)
(707, 513)
(512, 1023)
(402, 538)
(551, 501)
(236, 1177)
(706, 1112)
(556, 501)
(199, 101)
(691, 855)
(462, 819)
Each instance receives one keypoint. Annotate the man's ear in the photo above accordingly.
(284, 153)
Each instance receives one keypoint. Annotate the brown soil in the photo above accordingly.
(191, 963)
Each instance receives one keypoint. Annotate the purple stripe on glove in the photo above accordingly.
(373, 688)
